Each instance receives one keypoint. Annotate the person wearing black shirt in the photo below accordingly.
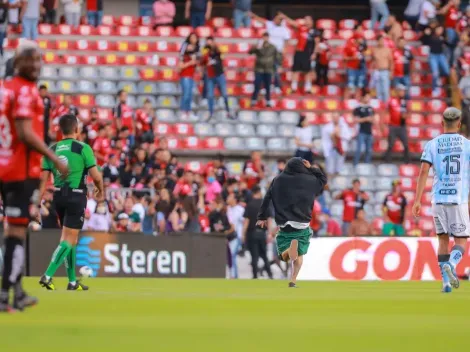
(292, 194)
(46, 100)
(215, 76)
(364, 116)
(437, 59)
(255, 238)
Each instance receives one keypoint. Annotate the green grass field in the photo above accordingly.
(223, 315)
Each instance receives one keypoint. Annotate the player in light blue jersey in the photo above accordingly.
(449, 156)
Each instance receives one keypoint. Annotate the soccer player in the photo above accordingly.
(70, 197)
(449, 156)
(21, 149)
(292, 194)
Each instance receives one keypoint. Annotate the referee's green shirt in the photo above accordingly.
(78, 156)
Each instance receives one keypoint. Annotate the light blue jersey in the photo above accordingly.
(449, 155)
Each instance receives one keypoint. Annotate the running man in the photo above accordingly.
(292, 194)
(21, 149)
(70, 197)
(449, 156)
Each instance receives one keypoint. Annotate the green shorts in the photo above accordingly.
(391, 229)
(284, 239)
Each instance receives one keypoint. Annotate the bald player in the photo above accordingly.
(449, 156)
(21, 150)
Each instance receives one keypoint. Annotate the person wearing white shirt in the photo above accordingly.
(304, 139)
(335, 140)
(235, 214)
(427, 13)
(72, 10)
(100, 219)
(279, 34)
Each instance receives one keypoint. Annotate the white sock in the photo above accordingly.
(48, 278)
(73, 282)
(294, 85)
(308, 86)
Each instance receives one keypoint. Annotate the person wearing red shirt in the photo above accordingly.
(398, 112)
(102, 145)
(464, 21)
(212, 61)
(253, 170)
(21, 150)
(66, 107)
(353, 200)
(189, 54)
(452, 16)
(94, 12)
(307, 38)
(145, 121)
(402, 58)
(124, 115)
(92, 127)
(354, 56)
(394, 207)
(323, 56)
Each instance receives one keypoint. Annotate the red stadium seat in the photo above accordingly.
(168, 74)
(347, 24)
(86, 100)
(218, 22)
(104, 45)
(426, 224)
(326, 23)
(332, 104)
(351, 104)
(164, 31)
(378, 224)
(144, 31)
(73, 59)
(345, 34)
(47, 29)
(437, 106)
(415, 120)
(165, 47)
(247, 76)
(249, 62)
(185, 129)
(126, 31)
(410, 35)
(111, 59)
(149, 74)
(105, 31)
(416, 106)
(409, 170)
(366, 24)
(132, 59)
(194, 166)
(164, 129)
(86, 30)
(310, 104)
(232, 75)
(415, 132)
(124, 46)
(183, 31)
(408, 183)
(93, 60)
(233, 62)
(204, 32)
(245, 33)
(369, 34)
(225, 32)
(214, 143)
(289, 104)
(422, 51)
(146, 21)
(432, 132)
(434, 119)
(192, 143)
(380, 146)
(108, 20)
(247, 89)
(242, 48)
(65, 29)
(332, 91)
(145, 47)
(128, 21)
(51, 58)
(171, 61)
(46, 44)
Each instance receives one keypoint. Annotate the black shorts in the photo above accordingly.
(302, 62)
(17, 199)
(70, 209)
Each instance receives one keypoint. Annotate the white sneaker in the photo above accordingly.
(294, 86)
(277, 90)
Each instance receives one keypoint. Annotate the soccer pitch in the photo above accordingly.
(230, 315)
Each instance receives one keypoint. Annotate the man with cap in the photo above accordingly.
(292, 194)
(398, 112)
(449, 156)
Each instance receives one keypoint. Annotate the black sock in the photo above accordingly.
(13, 262)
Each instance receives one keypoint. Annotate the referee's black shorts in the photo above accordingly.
(71, 209)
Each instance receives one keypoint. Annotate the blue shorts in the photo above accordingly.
(356, 78)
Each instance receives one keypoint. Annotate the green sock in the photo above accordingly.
(58, 257)
(71, 262)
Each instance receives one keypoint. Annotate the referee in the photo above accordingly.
(70, 197)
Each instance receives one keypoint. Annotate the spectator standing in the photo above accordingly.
(235, 216)
(428, 12)
(215, 76)
(304, 139)
(187, 66)
(145, 122)
(266, 57)
(124, 115)
(67, 107)
(47, 102)
(72, 10)
(335, 139)
(198, 12)
(452, 15)
(412, 12)
(255, 238)
(30, 13)
(360, 226)
(398, 112)
(278, 36)
(102, 145)
(50, 11)
(164, 12)
(354, 55)
(94, 12)
(438, 63)
(241, 13)
(221, 172)
(323, 56)
(354, 200)
(464, 88)
(394, 208)
(364, 116)
(14, 7)
(3, 24)
(402, 59)
(378, 8)
(306, 40)
(383, 63)
(394, 29)
(253, 170)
